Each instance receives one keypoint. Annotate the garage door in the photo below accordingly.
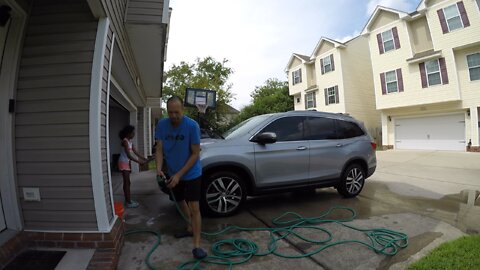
(446, 132)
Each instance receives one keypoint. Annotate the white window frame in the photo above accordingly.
(309, 97)
(296, 76)
(331, 93)
(458, 15)
(325, 65)
(439, 72)
(469, 67)
(387, 82)
(384, 41)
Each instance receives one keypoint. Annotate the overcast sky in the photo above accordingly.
(259, 36)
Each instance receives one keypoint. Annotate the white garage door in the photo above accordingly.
(445, 132)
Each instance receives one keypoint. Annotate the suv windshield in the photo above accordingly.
(245, 126)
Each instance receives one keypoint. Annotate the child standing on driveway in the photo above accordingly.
(126, 155)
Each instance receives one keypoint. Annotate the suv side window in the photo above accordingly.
(287, 128)
(347, 130)
(320, 128)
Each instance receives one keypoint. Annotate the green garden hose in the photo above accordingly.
(235, 251)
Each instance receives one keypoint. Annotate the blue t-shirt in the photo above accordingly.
(176, 145)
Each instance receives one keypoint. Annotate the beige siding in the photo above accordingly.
(330, 79)
(324, 48)
(145, 11)
(420, 36)
(51, 127)
(359, 91)
(383, 18)
(413, 93)
(459, 37)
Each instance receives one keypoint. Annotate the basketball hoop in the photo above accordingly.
(202, 108)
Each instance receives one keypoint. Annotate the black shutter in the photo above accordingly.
(463, 14)
(337, 97)
(305, 101)
(380, 43)
(331, 62)
(396, 40)
(443, 22)
(321, 66)
(326, 96)
(384, 85)
(399, 80)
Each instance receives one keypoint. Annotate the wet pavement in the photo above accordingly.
(430, 196)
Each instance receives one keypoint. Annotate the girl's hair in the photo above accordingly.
(125, 131)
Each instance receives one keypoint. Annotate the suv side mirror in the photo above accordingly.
(265, 138)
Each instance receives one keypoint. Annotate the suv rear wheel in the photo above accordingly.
(352, 182)
(223, 193)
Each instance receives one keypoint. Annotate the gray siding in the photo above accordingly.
(104, 124)
(115, 10)
(145, 11)
(141, 130)
(52, 114)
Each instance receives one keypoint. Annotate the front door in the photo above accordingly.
(286, 161)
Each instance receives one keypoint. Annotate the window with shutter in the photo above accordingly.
(297, 76)
(310, 100)
(327, 64)
(473, 62)
(453, 17)
(432, 71)
(391, 81)
(388, 42)
(331, 95)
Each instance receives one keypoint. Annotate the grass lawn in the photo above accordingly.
(463, 253)
(151, 165)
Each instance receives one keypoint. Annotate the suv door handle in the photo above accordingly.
(301, 148)
(339, 145)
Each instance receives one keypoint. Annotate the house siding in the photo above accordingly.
(329, 79)
(145, 11)
(359, 94)
(51, 126)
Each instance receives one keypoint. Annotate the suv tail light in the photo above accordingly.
(374, 146)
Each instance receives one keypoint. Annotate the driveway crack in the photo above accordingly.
(295, 246)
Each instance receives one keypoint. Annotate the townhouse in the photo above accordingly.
(426, 72)
(73, 73)
(336, 78)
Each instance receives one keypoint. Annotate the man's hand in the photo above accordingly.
(174, 180)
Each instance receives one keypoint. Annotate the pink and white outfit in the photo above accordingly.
(123, 160)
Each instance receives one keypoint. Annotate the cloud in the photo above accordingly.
(402, 5)
(348, 37)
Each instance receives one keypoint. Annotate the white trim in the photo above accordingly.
(129, 105)
(458, 15)
(107, 130)
(94, 126)
(386, 82)
(400, 14)
(8, 82)
(426, 58)
(166, 12)
(439, 72)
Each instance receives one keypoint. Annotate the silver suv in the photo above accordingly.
(283, 152)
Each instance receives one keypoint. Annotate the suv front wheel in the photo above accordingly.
(223, 193)
(352, 182)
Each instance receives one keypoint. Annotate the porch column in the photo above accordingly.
(385, 141)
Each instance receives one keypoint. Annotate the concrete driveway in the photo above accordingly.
(431, 196)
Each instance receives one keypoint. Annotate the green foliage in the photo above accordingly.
(463, 253)
(205, 73)
(271, 97)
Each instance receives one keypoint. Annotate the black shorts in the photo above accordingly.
(188, 190)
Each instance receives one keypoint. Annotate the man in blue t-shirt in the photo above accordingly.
(178, 141)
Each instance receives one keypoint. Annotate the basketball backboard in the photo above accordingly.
(196, 96)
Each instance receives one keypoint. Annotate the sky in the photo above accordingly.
(258, 37)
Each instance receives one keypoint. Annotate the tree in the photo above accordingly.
(271, 97)
(204, 73)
